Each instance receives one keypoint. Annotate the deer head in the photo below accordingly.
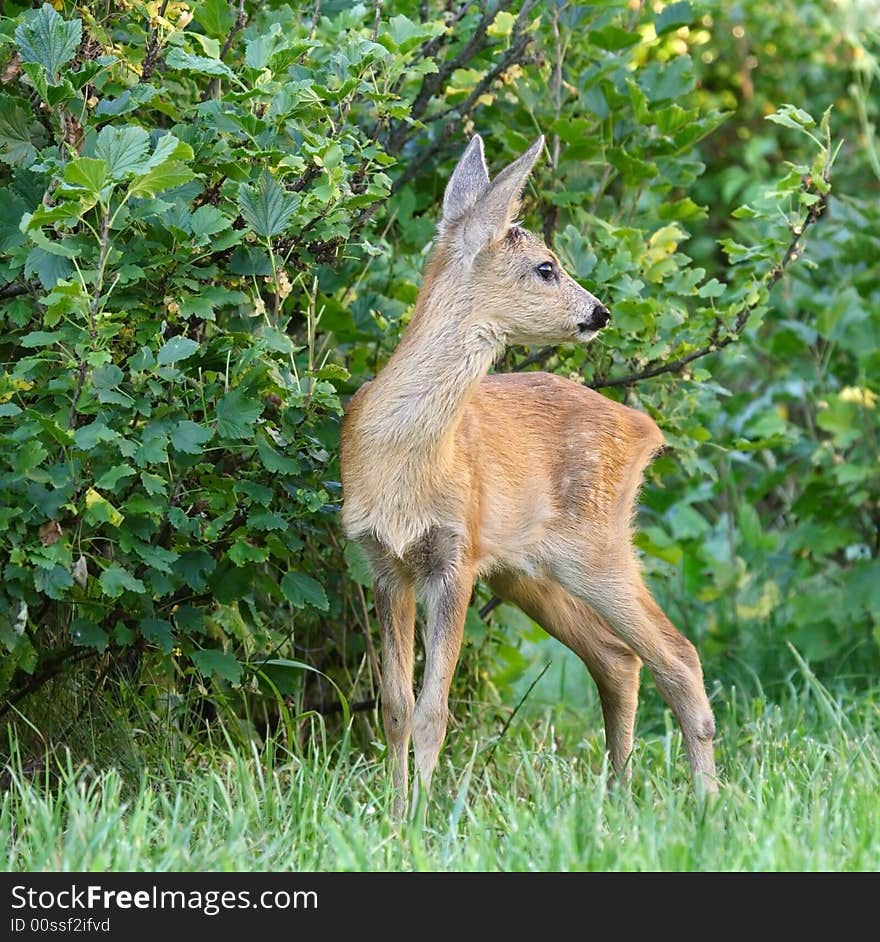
(519, 291)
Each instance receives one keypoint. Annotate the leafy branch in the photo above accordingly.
(717, 340)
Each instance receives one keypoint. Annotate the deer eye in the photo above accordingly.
(547, 270)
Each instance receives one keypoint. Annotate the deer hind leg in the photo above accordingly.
(447, 593)
(617, 591)
(613, 666)
(396, 610)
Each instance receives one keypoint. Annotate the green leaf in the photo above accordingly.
(46, 39)
(266, 207)
(115, 580)
(502, 25)
(123, 149)
(219, 663)
(216, 16)
(12, 208)
(48, 267)
(131, 99)
(673, 16)
(99, 510)
(265, 520)
(277, 463)
(42, 338)
(87, 634)
(178, 58)
(236, 414)
(87, 172)
(302, 590)
(16, 136)
(168, 148)
(241, 553)
(613, 38)
(401, 28)
(358, 565)
(109, 479)
(189, 436)
(158, 631)
(53, 581)
(260, 49)
(28, 456)
(207, 221)
(88, 436)
(176, 349)
(194, 567)
(161, 178)
(790, 117)
(107, 376)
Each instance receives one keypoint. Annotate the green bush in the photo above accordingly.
(213, 229)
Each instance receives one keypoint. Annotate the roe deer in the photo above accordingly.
(526, 480)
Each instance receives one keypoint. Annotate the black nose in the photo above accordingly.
(601, 315)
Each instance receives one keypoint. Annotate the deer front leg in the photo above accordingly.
(446, 600)
(396, 609)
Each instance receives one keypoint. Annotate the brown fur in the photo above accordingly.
(527, 480)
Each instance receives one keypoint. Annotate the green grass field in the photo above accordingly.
(801, 785)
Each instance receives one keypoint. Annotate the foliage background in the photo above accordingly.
(214, 220)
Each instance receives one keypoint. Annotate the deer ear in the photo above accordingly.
(494, 211)
(469, 181)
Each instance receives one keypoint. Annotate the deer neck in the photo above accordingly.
(421, 394)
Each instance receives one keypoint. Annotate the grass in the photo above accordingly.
(801, 793)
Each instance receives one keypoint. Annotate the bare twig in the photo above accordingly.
(520, 41)
(539, 356)
(151, 57)
(358, 707)
(14, 289)
(490, 606)
(436, 80)
(315, 17)
(371, 648)
(551, 212)
(51, 668)
(516, 710)
(241, 20)
(377, 18)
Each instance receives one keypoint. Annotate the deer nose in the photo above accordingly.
(601, 315)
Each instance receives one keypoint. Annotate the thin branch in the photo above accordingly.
(336, 707)
(431, 47)
(52, 668)
(81, 373)
(490, 606)
(13, 290)
(519, 43)
(539, 356)
(377, 19)
(551, 211)
(151, 56)
(315, 17)
(436, 80)
(242, 18)
(516, 710)
(371, 648)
